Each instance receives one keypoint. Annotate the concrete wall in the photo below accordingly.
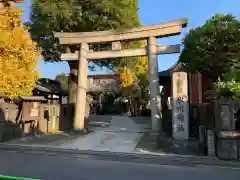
(59, 119)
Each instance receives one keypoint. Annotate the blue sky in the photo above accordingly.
(154, 12)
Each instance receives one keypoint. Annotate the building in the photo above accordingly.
(100, 87)
(51, 89)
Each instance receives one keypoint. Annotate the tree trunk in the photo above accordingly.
(72, 82)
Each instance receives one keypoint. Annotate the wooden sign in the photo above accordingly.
(34, 112)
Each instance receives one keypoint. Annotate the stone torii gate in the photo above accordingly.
(149, 33)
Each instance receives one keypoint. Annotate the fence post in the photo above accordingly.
(211, 143)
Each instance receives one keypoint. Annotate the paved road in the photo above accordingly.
(66, 167)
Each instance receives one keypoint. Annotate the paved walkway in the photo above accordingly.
(122, 135)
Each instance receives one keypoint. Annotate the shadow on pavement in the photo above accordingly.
(49, 139)
(154, 144)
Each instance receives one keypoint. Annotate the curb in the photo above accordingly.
(143, 151)
(120, 156)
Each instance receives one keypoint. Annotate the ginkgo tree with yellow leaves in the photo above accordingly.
(134, 80)
(18, 53)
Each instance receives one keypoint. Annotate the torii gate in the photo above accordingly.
(149, 33)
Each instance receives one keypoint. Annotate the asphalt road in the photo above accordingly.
(68, 167)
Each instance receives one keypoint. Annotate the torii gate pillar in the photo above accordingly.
(79, 114)
(153, 84)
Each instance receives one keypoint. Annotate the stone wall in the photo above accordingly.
(216, 120)
(226, 148)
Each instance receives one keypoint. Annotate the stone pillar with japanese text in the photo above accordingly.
(180, 108)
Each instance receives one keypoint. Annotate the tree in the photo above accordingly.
(18, 57)
(134, 80)
(213, 47)
(126, 76)
(63, 79)
(141, 70)
(50, 16)
(229, 84)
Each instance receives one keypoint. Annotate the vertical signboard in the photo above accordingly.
(34, 112)
(180, 109)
